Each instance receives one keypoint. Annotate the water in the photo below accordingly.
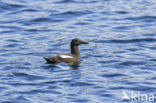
(119, 58)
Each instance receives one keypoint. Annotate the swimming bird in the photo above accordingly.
(70, 58)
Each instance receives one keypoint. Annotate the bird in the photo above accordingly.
(69, 58)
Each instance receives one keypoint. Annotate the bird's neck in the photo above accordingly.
(75, 50)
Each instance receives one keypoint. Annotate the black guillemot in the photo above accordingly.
(70, 58)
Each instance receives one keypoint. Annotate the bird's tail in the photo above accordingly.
(50, 60)
(46, 59)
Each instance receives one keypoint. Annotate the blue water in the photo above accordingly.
(120, 56)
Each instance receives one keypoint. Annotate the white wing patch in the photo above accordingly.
(65, 56)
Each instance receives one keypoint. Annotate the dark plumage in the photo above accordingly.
(70, 58)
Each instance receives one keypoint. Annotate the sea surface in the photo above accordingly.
(117, 66)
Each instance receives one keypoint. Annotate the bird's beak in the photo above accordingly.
(83, 42)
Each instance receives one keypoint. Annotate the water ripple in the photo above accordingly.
(142, 18)
(7, 6)
(128, 40)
